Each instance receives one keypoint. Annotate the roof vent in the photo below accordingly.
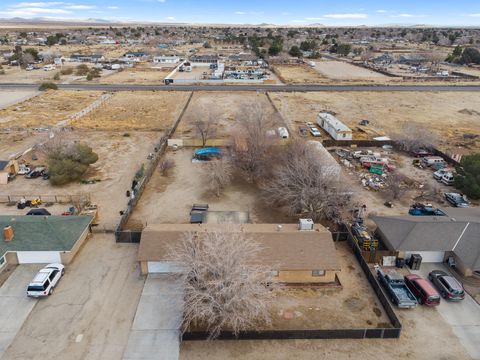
(305, 224)
(279, 227)
(8, 233)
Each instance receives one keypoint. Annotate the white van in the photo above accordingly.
(49, 67)
(432, 160)
(448, 179)
(283, 132)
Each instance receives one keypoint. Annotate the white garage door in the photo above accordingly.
(165, 267)
(428, 256)
(38, 257)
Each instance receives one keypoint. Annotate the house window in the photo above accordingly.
(318, 273)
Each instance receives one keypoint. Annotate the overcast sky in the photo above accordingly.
(281, 12)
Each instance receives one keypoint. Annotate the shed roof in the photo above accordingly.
(288, 249)
(43, 233)
(334, 122)
(3, 164)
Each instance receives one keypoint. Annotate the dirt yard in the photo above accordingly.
(355, 305)
(223, 106)
(136, 111)
(339, 70)
(46, 109)
(135, 76)
(298, 74)
(16, 75)
(9, 97)
(114, 169)
(169, 199)
(447, 114)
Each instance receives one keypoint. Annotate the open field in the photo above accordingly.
(8, 98)
(136, 76)
(18, 75)
(136, 111)
(169, 199)
(340, 70)
(46, 109)
(114, 169)
(447, 114)
(225, 107)
(355, 305)
(298, 74)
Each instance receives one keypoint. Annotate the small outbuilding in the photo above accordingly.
(7, 167)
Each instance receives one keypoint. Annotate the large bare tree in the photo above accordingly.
(412, 136)
(217, 175)
(303, 183)
(252, 140)
(224, 289)
(204, 121)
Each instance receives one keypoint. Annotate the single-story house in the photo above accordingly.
(210, 59)
(435, 238)
(87, 58)
(334, 127)
(294, 256)
(7, 167)
(42, 239)
(166, 59)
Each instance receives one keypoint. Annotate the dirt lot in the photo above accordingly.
(136, 76)
(448, 114)
(340, 70)
(169, 199)
(46, 109)
(298, 74)
(195, 74)
(136, 111)
(353, 306)
(17, 75)
(226, 107)
(8, 98)
(114, 169)
(91, 312)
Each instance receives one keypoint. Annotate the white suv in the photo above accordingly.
(45, 280)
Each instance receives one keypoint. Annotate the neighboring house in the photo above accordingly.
(334, 127)
(411, 59)
(209, 59)
(166, 59)
(294, 256)
(87, 58)
(42, 239)
(7, 167)
(435, 238)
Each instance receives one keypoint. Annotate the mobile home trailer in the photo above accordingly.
(334, 127)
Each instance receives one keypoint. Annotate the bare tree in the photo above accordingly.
(165, 166)
(217, 175)
(395, 186)
(252, 141)
(413, 136)
(204, 121)
(224, 289)
(303, 183)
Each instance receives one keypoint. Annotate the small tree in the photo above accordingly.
(395, 187)
(224, 289)
(295, 51)
(468, 176)
(204, 123)
(82, 70)
(165, 166)
(48, 86)
(217, 175)
(413, 136)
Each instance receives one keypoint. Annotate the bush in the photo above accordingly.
(56, 76)
(69, 163)
(66, 71)
(468, 178)
(48, 86)
(82, 70)
(295, 51)
(89, 77)
(470, 56)
(2, 72)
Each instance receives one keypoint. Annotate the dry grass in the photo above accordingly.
(139, 110)
(46, 109)
(298, 74)
(136, 76)
(340, 70)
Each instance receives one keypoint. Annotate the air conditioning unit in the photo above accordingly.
(305, 224)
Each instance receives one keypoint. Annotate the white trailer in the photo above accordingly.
(334, 127)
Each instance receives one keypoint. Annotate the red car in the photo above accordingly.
(425, 293)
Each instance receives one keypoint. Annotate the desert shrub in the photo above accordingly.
(2, 72)
(56, 76)
(66, 71)
(82, 70)
(89, 77)
(48, 86)
(165, 166)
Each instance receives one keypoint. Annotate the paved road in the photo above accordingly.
(90, 314)
(463, 316)
(270, 88)
(155, 331)
(15, 306)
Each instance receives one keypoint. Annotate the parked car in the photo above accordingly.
(39, 211)
(310, 124)
(421, 152)
(45, 281)
(433, 160)
(23, 170)
(422, 289)
(448, 179)
(447, 285)
(437, 175)
(303, 131)
(314, 131)
(36, 172)
(397, 290)
(456, 199)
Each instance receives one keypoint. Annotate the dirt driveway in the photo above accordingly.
(90, 314)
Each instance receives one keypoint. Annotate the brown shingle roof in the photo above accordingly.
(288, 249)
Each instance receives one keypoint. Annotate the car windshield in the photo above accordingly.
(35, 288)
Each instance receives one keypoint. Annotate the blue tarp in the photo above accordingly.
(211, 151)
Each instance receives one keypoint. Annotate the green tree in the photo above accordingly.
(295, 51)
(470, 56)
(468, 176)
(82, 70)
(52, 40)
(32, 52)
(48, 86)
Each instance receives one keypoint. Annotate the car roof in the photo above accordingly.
(452, 282)
(40, 277)
(426, 286)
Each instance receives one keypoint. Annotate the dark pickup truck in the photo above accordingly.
(396, 288)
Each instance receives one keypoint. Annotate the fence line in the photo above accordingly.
(60, 199)
(140, 187)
